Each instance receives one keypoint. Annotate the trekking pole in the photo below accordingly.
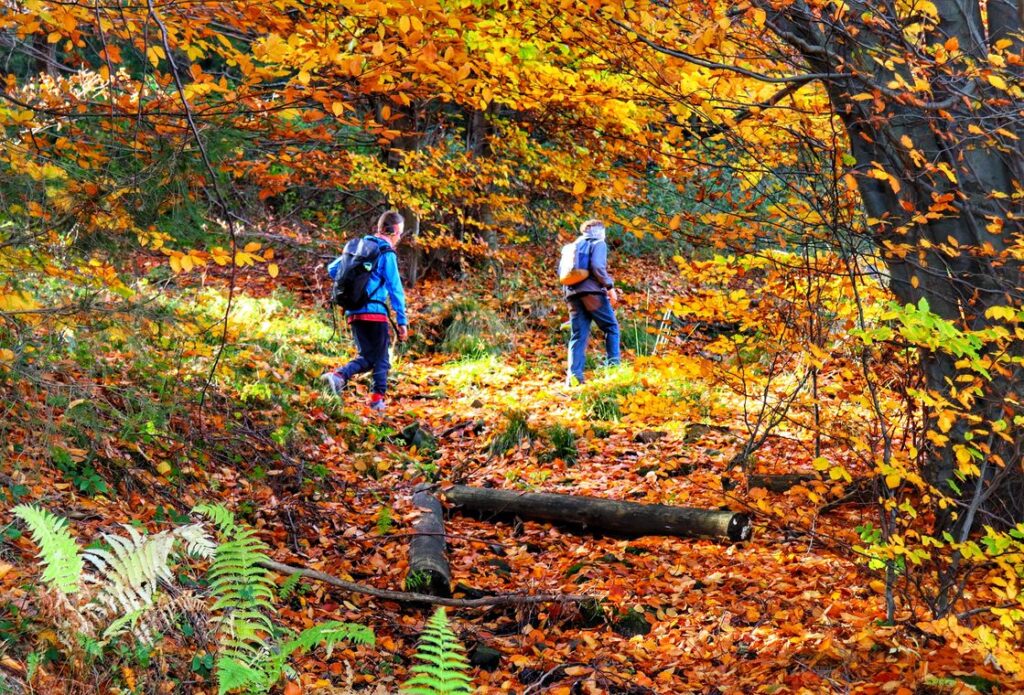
(661, 328)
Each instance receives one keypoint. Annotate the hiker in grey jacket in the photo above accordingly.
(592, 300)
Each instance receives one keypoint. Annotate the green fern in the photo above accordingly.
(220, 515)
(244, 594)
(234, 675)
(328, 634)
(58, 551)
(250, 659)
(288, 586)
(444, 668)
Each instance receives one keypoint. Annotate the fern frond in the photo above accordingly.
(233, 675)
(329, 634)
(57, 548)
(221, 517)
(198, 543)
(288, 586)
(132, 570)
(244, 594)
(444, 670)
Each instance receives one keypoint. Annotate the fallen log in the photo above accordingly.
(778, 483)
(429, 572)
(610, 516)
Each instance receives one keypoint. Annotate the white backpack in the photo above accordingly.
(569, 273)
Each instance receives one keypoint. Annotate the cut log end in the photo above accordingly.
(740, 528)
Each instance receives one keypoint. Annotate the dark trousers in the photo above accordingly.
(372, 339)
(584, 310)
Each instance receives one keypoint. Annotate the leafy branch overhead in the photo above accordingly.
(812, 219)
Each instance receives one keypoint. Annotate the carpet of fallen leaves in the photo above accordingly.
(789, 611)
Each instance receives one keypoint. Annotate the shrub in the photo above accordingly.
(517, 431)
(563, 444)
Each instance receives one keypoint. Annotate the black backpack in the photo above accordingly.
(358, 261)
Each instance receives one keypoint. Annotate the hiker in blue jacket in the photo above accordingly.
(369, 323)
(592, 300)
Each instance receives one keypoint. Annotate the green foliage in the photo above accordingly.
(288, 586)
(385, 520)
(62, 562)
(221, 517)
(417, 580)
(517, 432)
(81, 474)
(444, 668)
(251, 655)
(244, 593)
(473, 330)
(602, 401)
(563, 444)
(639, 336)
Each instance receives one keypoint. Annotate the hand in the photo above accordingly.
(403, 333)
(613, 296)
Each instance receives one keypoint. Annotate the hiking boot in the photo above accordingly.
(377, 403)
(335, 382)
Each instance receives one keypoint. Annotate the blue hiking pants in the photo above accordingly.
(584, 310)
(372, 339)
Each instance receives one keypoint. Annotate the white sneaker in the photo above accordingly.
(335, 382)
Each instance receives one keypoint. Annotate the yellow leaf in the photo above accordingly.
(176, 263)
(54, 37)
(252, 247)
(337, 107)
(892, 480)
(579, 187)
(272, 270)
(997, 82)
(163, 468)
(403, 24)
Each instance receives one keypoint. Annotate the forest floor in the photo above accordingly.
(328, 485)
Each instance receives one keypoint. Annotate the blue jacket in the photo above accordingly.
(599, 281)
(384, 284)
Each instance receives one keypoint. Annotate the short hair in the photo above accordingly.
(389, 221)
(590, 223)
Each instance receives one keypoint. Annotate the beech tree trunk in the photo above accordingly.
(429, 572)
(956, 258)
(608, 516)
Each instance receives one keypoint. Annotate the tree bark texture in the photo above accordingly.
(607, 516)
(955, 256)
(429, 572)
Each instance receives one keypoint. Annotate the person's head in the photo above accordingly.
(390, 226)
(593, 229)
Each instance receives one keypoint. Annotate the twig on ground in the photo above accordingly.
(411, 597)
